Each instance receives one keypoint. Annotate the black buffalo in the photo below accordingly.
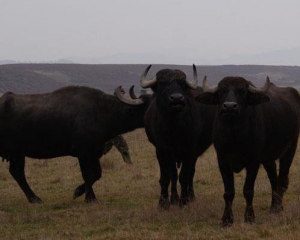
(179, 128)
(252, 127)
(74, 121)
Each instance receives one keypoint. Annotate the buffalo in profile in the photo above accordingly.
(253, 126)
(74, 121)
(179, 128)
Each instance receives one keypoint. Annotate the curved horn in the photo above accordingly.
(122, 91)
(120, 96)
(207, 88)
(194, 83)
(262, 89)
(147, 83)
(131, 93)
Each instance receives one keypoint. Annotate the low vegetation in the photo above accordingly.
(128, 198)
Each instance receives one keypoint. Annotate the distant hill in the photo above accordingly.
(40, 78)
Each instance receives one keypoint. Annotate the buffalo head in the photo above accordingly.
(233, 95)
(170, 88)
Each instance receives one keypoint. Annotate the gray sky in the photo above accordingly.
(156, 31)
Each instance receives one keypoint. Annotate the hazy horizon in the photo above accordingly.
(159, 32)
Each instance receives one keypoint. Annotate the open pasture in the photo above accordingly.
(128, 199)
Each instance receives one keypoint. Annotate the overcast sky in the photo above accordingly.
(156, 31)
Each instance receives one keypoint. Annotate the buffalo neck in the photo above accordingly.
(233, 129)
(123, 118)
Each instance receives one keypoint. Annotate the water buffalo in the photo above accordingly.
(179, 128)
(253, 126)
(74, 121)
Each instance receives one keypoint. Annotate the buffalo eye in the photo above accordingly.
(182, 85)
(164, 83)
(220, 92)
(243, 92)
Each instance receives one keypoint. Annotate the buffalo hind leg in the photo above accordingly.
(16, 169)
(190, 190)
(248, 191)
(229, 193)
(91, 172)
(184, 179)
(284, 168)
(276, 204)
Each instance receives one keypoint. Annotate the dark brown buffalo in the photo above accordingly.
(179, 128)
(74, 121)
(252, 127)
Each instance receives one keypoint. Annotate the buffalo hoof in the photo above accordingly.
(183, 202)
(35, 200)
(191, 197)
(249, 216)
(164, 203)
(276, 209)
(227, 218)
(79, 191)
(91, 200)
(174, 199)
(226, 224)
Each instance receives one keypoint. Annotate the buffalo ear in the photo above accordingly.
(257, 98)
(207, 98)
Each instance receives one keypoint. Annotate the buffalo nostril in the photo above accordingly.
(176, 97)
(235, 106)
(230, 106)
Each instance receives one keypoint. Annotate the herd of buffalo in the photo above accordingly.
(248, 126)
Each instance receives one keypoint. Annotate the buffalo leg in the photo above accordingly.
(165, 176)
(248, 192)
(284, 167)
(16, 169)
(91, 172)
(271, 170)
(190, 190)
(80, 190)
(174, 178)
(184, 179)
(229, 193)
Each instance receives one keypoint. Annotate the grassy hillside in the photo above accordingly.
(39, 78)
(128, 198)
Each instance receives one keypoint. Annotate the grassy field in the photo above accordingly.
(128, 198)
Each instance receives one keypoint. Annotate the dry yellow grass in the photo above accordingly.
(128, 197)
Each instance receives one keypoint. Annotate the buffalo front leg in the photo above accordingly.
(248, 191)
(165, 166)
(16, 169)
(174, 178)
(229, 193)
(91, 172)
